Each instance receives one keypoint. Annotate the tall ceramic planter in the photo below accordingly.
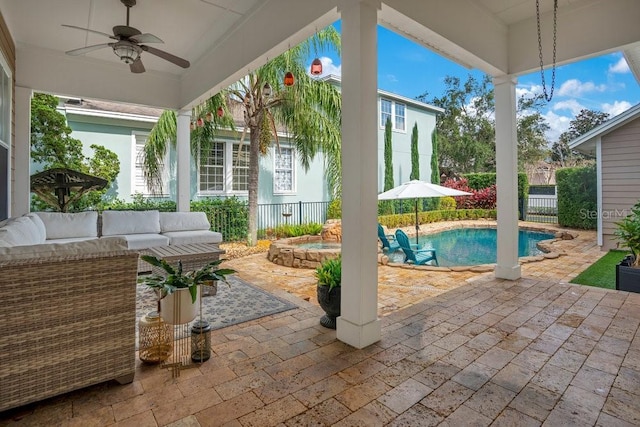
(177, 308)
(330, 303)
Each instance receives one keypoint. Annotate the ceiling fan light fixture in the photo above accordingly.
(127, 52)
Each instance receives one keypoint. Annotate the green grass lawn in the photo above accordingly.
(601, 273)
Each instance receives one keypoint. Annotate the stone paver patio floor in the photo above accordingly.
(457, 348)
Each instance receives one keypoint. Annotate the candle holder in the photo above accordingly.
(155, 338)
(200, 341)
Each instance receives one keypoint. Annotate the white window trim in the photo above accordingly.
(393, 115)
(294, 163)
(244, 146)
(227, 179)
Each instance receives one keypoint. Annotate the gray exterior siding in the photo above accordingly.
(620, 177)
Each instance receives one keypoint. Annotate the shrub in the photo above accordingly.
(290, 230)
(447, 203)
(334, 211)
(479, 199)
(577, 197)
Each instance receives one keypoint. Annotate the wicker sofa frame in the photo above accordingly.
(67, 322)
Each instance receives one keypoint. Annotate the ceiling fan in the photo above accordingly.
(129, 44)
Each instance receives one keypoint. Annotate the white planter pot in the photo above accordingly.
(177, 307)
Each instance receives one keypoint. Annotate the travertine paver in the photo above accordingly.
(457, 348)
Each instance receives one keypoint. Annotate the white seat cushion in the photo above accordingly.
(144, 241)
(42, 229)
(63, 225)
(193, 236)
(116, 223)
(183, 221)
(69, 240)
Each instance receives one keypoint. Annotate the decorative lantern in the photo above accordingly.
(220, 112)
(316, 67)
(289, 79)
(266, 90)
(192, 126)
(200, 122)
(155, 338)
(209, 116)
(200, 341)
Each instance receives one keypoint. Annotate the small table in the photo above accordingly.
(193, 257)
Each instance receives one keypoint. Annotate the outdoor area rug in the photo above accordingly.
(231, 305)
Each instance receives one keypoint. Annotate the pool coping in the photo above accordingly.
(285, 252)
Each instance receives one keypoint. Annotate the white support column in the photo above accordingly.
(183, 154)
(358, 324)
(507, 177)
(21, 188)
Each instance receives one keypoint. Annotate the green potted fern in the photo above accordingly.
(178, 290)
(329, 275)
(628, 232)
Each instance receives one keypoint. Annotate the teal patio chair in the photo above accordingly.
(389, 243)
(415, 256)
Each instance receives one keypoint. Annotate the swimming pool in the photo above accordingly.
(473, 246)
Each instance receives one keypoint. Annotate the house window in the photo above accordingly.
(283, 179)
(385, 111)
(399, 123)
(396, 112)
(139, 182)
(212, 168)
(240, 169)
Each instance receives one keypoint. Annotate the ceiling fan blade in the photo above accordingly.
(145, 38)
(167, 56)
(87, 49)
(136, 66)
(91, 31)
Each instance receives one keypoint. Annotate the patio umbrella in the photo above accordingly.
(417, 190)
(61, 182)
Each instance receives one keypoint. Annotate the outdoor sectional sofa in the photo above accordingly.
(68, 292)
(67, 318)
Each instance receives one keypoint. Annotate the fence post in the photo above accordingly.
(299, 211)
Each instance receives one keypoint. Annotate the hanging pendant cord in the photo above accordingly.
(548, 96)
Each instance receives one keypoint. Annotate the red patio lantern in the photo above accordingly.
(316, 67)
(200, 122)
(220, 112)
(289, 79)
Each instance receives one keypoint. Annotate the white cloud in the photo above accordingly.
(616, 108)
(557, 125)
(576, 88)
(572, 105)
(328, 67)
(392, 78)
(620, 67)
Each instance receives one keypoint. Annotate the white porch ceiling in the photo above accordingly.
(223, 39)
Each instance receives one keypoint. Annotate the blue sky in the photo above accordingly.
(604, 83)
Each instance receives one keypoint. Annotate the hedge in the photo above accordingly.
(409, 219)
(577, 197)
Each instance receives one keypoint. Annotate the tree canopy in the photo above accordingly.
(53, 147)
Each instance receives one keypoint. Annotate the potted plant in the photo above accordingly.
(178, 290)
(329, 275)
(628, 232)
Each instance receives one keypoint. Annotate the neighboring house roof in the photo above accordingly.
(587, 143)
(422, 105)
(116, 110)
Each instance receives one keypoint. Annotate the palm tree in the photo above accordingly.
(309, 109)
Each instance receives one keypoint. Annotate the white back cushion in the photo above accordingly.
(116, 223)
(183, 221)
(42, 229)
(19, 232)
(62, 225)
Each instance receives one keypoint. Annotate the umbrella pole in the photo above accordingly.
(417, 225)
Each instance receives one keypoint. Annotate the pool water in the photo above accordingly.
(473, 246)
(320, 245)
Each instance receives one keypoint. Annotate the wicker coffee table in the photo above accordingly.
(193, 257)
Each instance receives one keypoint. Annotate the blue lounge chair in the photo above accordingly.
(389, 243)
(415, 256)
